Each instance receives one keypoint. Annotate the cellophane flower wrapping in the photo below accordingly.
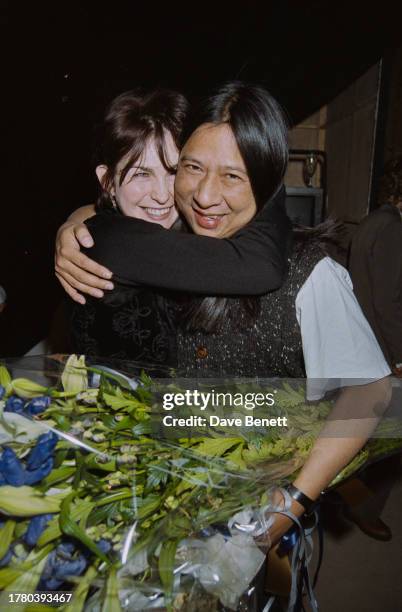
(94, 502)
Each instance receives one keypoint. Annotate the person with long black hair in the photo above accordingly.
(311, 326)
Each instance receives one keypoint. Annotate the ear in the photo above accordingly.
(100, 173)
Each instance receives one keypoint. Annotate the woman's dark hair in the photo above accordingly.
(260, 129)
(130, 120)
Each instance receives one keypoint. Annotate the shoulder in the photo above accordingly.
(329, 271)
(327, 284)
(375, 222)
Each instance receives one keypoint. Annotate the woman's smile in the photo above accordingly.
(157, 214)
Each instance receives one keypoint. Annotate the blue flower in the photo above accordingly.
(75, 567)
(11, 468)
(14, 404)
(4, 561)
(2, 391)
(34, 476)
(39, 463)
(44, 448)
(35, 528)
(38, 405)
(104, 545)
(61, 563)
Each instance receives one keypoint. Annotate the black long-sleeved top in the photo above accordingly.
(252, 262)
(135, 322)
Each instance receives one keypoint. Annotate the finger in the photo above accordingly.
(82, 261)
(82, 287)
(83, 236)
(73, 293)
(81, 276)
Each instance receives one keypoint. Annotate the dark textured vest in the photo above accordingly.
(271, 347)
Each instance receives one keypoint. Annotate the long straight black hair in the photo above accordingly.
(260, 129)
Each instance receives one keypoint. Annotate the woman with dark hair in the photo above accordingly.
(137, 157)
(312, 325)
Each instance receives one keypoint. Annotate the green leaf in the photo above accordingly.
(63, 423)
(53, 531)
(27, 501)
(142, 428)
(112, 602)
(177, 526)
(7, 576)
(236, 457)
(24, 583)
(6, 537)
(56, 476)
(216, 446)
(110, 422)
(166, 566)
(5, 378)
(148, 505)
(72, 529)
(117, 403)
(157, 476)
(113, 497)
(81, 591)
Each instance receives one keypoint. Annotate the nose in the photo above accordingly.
(162, 190)
(208, 192)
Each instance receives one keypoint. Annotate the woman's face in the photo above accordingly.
(212, 187)
(147, 189)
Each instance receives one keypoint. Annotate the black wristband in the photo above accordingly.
(307, 503)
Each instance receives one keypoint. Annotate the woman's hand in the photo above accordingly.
(75, 271)
(281, 523)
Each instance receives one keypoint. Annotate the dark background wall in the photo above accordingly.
(62, 61)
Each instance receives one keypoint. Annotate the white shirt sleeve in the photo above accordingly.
(339, 346)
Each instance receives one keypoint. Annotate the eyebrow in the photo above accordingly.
(235, 168)
(188, 158)
(194, 159)
(144, 168)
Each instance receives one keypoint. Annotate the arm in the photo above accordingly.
(340, 440)
(70, 237)
(326, 302)
(252, 262)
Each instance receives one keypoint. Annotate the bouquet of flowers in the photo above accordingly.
(92, 502)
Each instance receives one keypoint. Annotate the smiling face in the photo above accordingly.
(146, 191)
(212, 187)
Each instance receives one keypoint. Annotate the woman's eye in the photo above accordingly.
(140, 174)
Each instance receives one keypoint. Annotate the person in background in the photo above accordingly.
(3, 299)
(375, 266)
